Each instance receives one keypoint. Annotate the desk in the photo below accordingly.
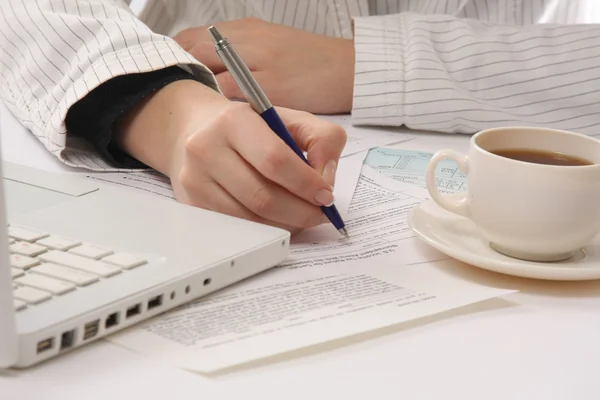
(540, 343)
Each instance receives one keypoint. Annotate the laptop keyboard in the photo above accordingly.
(44, 265)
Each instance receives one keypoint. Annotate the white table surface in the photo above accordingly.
(540, 343)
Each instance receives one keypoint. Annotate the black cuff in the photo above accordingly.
(94, 116)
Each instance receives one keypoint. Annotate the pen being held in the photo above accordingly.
(261, 105)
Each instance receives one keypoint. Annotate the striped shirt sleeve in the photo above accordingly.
(441, 73)
(53, 53)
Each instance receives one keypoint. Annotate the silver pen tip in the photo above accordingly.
(344, 232)
(216, 35)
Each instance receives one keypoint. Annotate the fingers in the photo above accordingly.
(197, 42)
(323, 141)
(200, 45)
(273, 159)
(260, 196)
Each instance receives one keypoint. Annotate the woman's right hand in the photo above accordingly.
(220, 155)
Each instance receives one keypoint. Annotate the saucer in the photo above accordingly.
(459, 238)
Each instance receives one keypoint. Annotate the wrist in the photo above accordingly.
(152, 130)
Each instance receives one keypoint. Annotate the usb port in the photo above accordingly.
(44, 345)
(67, 339)
(91, 329)
(154, 302)
(133, 311)
(112, 320)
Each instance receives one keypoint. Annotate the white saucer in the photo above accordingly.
(458, 237)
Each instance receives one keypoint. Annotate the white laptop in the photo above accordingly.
(81, 260)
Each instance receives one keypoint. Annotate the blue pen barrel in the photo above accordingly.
(276, 124)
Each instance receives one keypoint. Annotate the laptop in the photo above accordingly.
(80, 260)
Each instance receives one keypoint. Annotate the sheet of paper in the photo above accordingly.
(365, 138)
(150, 182)
(409, 166)
(377, 224)
(347, 176)
(281, 312)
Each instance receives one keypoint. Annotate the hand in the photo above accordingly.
(220, 155)
(296, 69)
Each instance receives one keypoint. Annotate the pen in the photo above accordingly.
(261, 104)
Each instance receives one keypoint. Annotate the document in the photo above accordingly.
(151, 182)
(279, 312)
(409, 166)
(377, 225)
(365, 138)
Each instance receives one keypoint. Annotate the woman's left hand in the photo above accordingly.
(295, 68)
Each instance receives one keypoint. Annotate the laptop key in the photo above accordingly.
(16, 272)
(27, 249)
(19, 304)
(76, 276)
(54, 286)
(31, 295)
(27, 235)
(91, 251)
(124, 260)
(78, 262)
(23, 262)
(58, 243)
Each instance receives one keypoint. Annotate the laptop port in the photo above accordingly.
(133, 311)
(91, 329)
(112, 320)
(154, 302)
(44, 345)
(67, 339)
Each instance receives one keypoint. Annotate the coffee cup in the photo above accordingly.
(533, 193)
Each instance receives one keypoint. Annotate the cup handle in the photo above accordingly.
(459, 206)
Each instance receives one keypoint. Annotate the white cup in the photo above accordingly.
(525, 210)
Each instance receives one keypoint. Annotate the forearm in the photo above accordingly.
(53, 54)
(436, 72)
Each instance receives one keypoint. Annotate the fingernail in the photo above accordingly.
(324, 197)
(329, 172)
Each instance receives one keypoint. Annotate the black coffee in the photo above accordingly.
(542, 157)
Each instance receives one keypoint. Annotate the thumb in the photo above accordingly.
(323, 141)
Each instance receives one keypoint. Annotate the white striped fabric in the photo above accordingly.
(443, 65)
